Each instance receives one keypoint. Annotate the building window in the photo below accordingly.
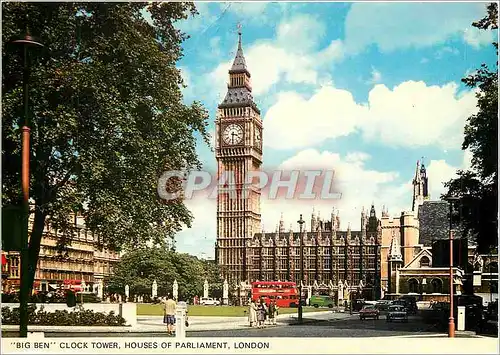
(425, 262)
(327, 264)
(413, 286)
(437, 286)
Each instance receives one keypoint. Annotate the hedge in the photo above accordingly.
(84, 317)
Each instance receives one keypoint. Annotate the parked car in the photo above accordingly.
(397, 313)
(411, 308)
(383, 306)
(207, 301)
(411, 304)
(321, 301)
(369, 311)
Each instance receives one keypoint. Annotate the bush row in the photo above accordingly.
(84, 317)
(42, 298)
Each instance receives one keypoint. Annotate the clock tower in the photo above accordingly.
(238, 150)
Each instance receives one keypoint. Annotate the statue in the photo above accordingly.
(100, 288)
(205, 289)
(225, 292)
(478, 263)
(154, 290)
(127, 292)
(175, 290)
(346, 291)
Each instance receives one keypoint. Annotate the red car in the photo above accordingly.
(369, 311)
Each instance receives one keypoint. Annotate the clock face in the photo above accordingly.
(233, 134)
(258, 137)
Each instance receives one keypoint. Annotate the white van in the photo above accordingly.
(209, 301)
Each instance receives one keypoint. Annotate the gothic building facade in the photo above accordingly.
(329, 256)
(244, 252)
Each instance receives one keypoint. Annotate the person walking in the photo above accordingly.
(252, 313)
(273, 312)
(261, 314)
(169, 314)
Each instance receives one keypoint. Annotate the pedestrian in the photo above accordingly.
(261, 314)
(272, 313)
(252, 314)
(169, 314)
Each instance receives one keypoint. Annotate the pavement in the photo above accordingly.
(154, 324)
(315, 324)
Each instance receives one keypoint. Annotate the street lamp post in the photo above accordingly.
(301, 222)
(451, 323)
(26, 42)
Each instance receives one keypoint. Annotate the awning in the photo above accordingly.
(72, 282)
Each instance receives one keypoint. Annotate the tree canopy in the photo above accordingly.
(107, 118)
(478, 186)
(139, 268)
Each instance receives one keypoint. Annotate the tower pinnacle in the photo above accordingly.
(239, 63)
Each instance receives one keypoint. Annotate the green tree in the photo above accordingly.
(212, 274)
(107, 118)
(140, 267)
(478, 187)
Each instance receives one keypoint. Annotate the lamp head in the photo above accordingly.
(27, 40)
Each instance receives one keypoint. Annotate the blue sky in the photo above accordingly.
(362, 88)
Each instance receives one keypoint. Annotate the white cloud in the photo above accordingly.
(446, 51)
(478, 38)
(399, 25)
(414, 114)
(294, 122)
(411, 114)
(439, 172)
(284, 60)
(198, 22)
(202, 234)
(300, 34)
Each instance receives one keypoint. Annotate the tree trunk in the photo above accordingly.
(34, 245)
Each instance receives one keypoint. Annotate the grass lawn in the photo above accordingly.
(145, 309)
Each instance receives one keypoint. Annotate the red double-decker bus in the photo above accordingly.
(285, 294)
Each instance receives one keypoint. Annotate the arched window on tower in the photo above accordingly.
(425, 262)
(413, 286)
(437, 286)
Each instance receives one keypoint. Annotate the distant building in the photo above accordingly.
(415, 253)
(83, 260)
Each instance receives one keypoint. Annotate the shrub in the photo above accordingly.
(84, 317)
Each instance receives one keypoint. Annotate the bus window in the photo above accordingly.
(285, 297)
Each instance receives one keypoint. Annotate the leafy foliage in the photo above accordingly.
(478, 187)
(139, 268)
(108, 118)
(84, 317)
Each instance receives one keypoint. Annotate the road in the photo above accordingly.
(351, 327)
